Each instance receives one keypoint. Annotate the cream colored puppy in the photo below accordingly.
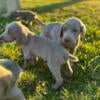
(9, 73)
(50, 51)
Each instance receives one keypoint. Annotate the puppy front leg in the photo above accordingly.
(27, 57)
(25, 63)
(32, 60)
(29, 61)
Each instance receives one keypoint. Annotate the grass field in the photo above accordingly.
(36, 81)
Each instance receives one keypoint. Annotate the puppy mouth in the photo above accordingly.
(65, 44)
(65, 41)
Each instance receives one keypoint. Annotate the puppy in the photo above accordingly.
(52, 52)
(28, 16)
(67, 34)
(9, 73)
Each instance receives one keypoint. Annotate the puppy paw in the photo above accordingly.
(57, 85)
(54, 87)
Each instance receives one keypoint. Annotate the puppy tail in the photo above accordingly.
(69, 67)
(73, 58)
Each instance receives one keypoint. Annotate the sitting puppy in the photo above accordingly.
(9, 73)
(67, 34)
(27, 15)
(52, 52)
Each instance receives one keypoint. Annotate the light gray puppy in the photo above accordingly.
(9, 74)
(53, 53)
(67, 34)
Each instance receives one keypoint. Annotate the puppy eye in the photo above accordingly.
(8, 32)
(74, 30)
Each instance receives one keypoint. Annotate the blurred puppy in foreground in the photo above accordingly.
(9, 73)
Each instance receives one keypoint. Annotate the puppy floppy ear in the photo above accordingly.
(83, 31)
(21, 38)
(61, 32)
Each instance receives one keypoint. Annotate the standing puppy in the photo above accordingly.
(67, 34)
(50, 51)
(9, 73)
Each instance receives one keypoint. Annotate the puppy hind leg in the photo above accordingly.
(55, 70)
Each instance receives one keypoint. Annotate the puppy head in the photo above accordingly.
(15, 31)
(72, 30)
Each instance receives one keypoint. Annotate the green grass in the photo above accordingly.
(36, 81)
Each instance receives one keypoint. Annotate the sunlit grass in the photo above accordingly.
(36, 81)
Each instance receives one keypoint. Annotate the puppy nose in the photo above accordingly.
(66, 40)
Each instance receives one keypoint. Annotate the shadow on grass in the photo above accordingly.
(82, 82)
(51, 7)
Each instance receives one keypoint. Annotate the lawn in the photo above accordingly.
(36, 81)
